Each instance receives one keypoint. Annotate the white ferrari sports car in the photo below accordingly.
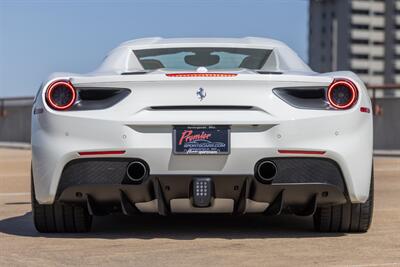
(202, 125)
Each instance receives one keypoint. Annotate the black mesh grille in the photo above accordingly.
(113, 171)
(93, 171)
(307, 170)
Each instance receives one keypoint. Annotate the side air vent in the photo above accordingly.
(305, 93)
(96, 94)
(99, 98)
(307, 98)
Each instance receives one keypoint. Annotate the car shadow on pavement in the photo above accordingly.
(178, 227)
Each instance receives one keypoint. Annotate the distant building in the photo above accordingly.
(358, 35)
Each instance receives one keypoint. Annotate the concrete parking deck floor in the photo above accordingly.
(205, 240)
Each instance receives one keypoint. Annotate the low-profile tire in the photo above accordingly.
(349, 218)
(59, 218)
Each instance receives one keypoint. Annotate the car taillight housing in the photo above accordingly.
(342, 94)
(60, 95)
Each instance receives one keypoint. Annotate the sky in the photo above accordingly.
(38, 37)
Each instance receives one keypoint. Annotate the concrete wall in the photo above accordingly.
(387, 125)
(15, 122)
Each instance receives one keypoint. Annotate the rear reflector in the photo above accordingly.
(365, 110)
(303, 152)
(201, 74)
(91, 153)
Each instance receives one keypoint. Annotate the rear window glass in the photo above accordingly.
(211, 58)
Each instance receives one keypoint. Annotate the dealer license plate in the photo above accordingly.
(200, 140)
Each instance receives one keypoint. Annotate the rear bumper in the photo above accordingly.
(345, 137)
(300, 186)
(49, 162)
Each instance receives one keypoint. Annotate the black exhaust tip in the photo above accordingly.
(136, 171)
(265, 171)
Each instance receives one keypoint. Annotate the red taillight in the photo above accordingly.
(201, 74)
(342, 94)
(304, 152)
(92, 153)
(60, 95)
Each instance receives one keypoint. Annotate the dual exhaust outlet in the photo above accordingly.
(265, 171)
(137, 171)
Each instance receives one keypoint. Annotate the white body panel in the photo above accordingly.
(146, 133)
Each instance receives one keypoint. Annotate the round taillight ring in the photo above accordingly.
(68, 89)
(344, 83)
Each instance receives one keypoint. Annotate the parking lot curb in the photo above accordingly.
(15, 145)
(387, 153)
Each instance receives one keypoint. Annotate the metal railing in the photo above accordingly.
(14, 101)
(388, 91)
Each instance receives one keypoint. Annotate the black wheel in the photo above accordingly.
(351, 218)
(59, 218)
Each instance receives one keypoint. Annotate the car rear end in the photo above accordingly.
(258, 123)
(227, 141)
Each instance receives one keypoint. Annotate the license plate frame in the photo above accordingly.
(202, 140)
